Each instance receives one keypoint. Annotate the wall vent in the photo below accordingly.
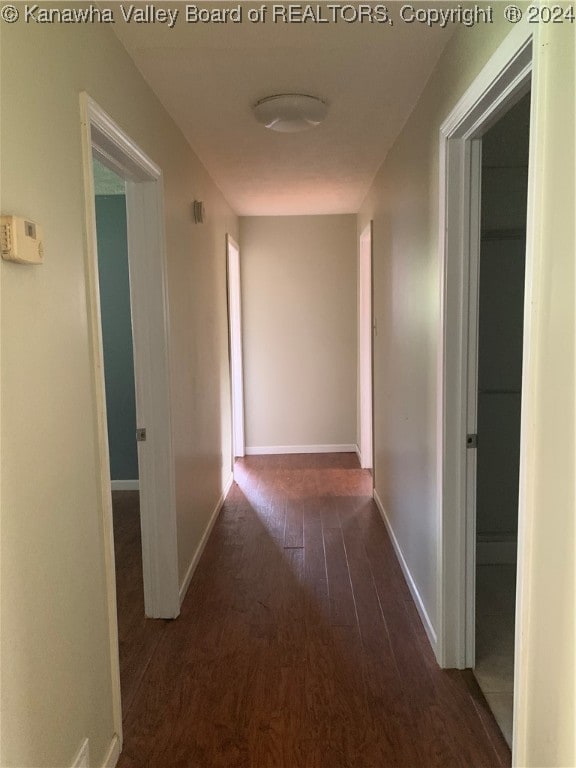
(198, 211)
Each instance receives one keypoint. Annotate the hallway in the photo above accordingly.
(299, 644)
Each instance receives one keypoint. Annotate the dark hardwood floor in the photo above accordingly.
(298, 643)
(137, 635)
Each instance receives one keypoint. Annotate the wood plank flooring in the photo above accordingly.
(137, 635)
(298, 644)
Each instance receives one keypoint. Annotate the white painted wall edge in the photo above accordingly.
(113, 753)
(82, 759)
(273, 449)
(125, 485)
(204, 540)
(407, 575)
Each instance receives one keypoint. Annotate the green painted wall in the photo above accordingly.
(117, 335)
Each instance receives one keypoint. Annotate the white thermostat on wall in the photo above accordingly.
(21, 240)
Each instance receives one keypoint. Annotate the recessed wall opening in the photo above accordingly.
(499, 335)
(365, 349)
(121, 420)
(129, 232)
(235, 346)
(483, 226)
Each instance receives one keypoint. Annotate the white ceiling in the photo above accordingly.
(209, 75)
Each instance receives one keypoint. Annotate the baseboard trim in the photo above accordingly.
(494, 551)
(82, 759)
(125, 485)
(357, 452)
(113, 753)
(279, 449)
(204, 540)
(431, 633)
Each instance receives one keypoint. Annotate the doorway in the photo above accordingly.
(501, 85)
(121, 421)
(104, 140)
(116, 318)
(235, 345)
(365, 344)
(498, 335)
(504, 81)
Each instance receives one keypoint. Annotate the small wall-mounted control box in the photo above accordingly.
(21, 240)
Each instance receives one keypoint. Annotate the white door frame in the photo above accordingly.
(365, 325)
(235, 339)
(102, 138)
(503, 81)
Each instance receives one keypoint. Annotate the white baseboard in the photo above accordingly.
(125, 485)
(203, 541)
(357, 452)
(113, 753)
(430, 631)
(82, 759)
(274, 449)
(496, 551)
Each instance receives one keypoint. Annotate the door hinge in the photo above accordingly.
(471, 441)
(141, 434)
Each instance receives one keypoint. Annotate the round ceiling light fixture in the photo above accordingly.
(290, 112)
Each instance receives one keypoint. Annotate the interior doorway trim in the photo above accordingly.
(503, 81)
(235, 339)
(102, 138)
(365, 325)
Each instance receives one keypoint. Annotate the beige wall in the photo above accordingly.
(403, 202)
(299, 329)
(56, 672)
(545, 717)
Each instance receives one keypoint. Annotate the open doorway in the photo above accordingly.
(365, 346)
(105, 141)
(464, 412)
(499, 333)
(134, 631)
(235, 346)
(116, 318)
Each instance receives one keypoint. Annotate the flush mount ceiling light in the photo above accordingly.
(290, 112)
